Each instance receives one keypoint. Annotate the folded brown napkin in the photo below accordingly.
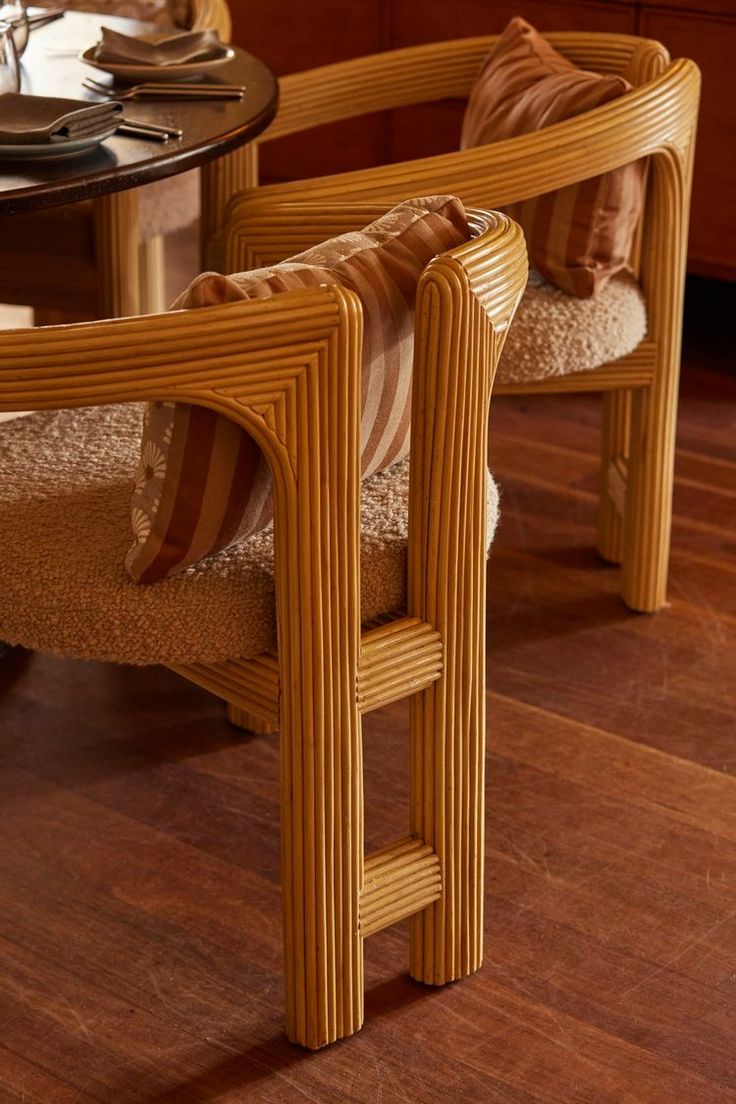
(158, 49)
(36, 120)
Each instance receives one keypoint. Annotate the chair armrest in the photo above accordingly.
(377, 82)
(240, 359)
(287, 370)
(263, 231)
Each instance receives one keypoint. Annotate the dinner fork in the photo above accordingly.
(168, 91)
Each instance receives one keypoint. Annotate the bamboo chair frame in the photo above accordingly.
(129, 273)
(287, 369)
(657, 120)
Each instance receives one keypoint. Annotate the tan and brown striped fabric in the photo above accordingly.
(578, 236)
(202, 483)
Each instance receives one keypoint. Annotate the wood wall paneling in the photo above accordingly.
(292, 36)
(440, 20)
(712, 7)
(435, 128)
(710, 42)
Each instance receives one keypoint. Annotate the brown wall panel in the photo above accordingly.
(441, 20)
(301, 34)
(711, 42)
(427, 129)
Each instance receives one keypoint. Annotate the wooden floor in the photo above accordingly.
(139, 902)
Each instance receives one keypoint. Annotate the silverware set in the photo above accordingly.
(150, 90)
(136, 128)
(45, 17)
(167, 90)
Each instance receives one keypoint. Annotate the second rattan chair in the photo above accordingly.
(638, 378)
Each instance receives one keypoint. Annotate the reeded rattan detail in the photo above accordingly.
(397, 659)
(400, 880)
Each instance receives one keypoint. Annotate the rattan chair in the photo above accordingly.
(288, 370)
(656, 120)
(104, 258)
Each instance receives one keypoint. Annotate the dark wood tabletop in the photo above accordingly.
(210, 129)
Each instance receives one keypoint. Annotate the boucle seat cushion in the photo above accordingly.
(554, 334)
(65, 485)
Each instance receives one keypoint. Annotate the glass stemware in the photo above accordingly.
(9, 66)
(14, 12)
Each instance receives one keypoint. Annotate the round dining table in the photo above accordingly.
(215, 137)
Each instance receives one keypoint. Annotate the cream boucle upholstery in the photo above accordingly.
(65, 486)
(555, 334)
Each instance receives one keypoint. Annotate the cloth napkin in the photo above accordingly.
(158, 49)
(38, 120)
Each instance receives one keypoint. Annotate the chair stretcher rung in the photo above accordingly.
(398, 658)
(632, 371)
(249, 684)
(398, 881)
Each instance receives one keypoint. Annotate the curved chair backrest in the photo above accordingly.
(656, 120)
(440, 70)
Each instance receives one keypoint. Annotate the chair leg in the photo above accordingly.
(448, 813)
(649, 500)
(241, 718)
(614, 454)
(448, 739)
(322, 870)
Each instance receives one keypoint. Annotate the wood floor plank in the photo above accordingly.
(140, 941)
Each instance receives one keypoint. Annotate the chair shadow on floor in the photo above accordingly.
(243, 1071)
(556, 592)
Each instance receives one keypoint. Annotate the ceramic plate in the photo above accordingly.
(138, 74)
(54, 151)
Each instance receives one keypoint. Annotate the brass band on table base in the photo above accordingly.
(657, 120)
(287, 369)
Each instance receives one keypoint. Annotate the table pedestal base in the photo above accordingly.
(116, 238)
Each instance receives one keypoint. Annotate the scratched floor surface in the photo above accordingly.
(139, 904)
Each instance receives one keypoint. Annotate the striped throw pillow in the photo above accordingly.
(578, 236)
(202, 482)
